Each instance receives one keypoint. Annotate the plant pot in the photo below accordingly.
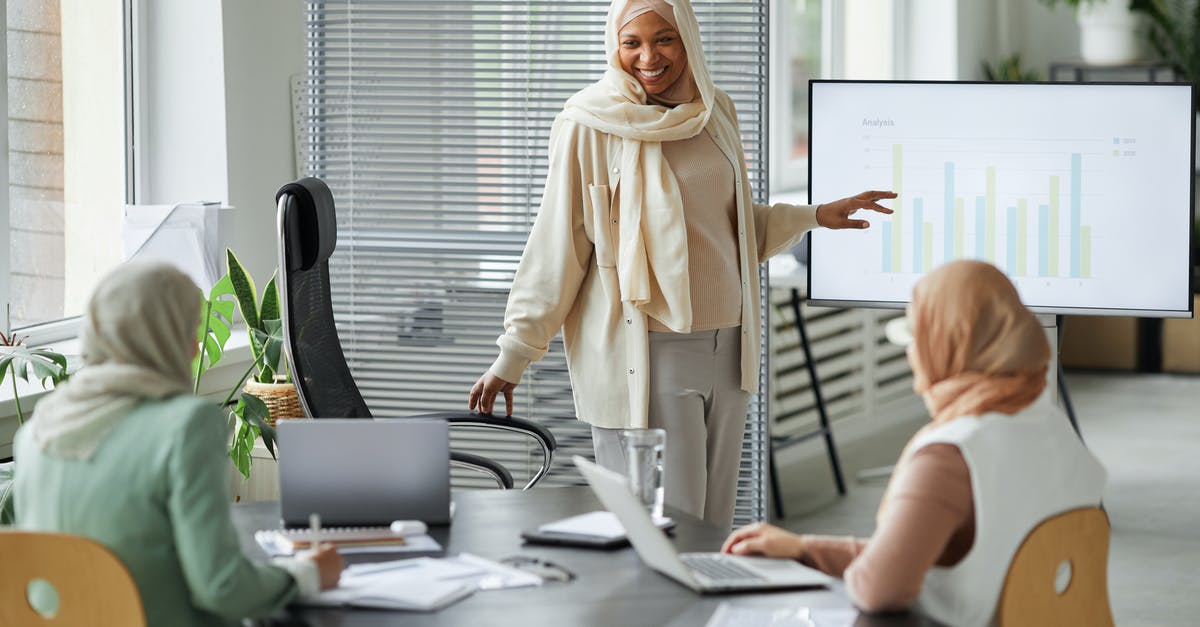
(1107, 32)
(281, 399)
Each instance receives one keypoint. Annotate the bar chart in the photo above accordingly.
(1029, 231)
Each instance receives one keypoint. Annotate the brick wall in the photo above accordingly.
(35, 157)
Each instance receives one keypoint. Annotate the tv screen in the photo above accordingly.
(1081, 193)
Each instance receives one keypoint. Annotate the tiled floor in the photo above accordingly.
(1146, 431)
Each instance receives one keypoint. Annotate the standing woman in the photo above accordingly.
(645, 252)
(124, 454)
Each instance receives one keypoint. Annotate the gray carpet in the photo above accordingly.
(1146, 431)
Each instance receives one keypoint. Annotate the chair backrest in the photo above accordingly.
(307, 237)
(93, 586)
(1030, 599)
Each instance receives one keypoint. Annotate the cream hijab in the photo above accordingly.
(651, 271)
(138, 336)
(976, 348)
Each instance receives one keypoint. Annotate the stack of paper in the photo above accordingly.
(420, 584)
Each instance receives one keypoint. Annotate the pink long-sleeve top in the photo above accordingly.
(927, 519)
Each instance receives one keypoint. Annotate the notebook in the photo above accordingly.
(341, 537)
(360, 472)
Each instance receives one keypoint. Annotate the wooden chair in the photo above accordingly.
(93, 585)
(1029, 598)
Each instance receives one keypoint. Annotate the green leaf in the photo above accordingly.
(254, 411)
(272, 346)
(243, 443)
(22, 361)
(243, 290)
(270, 302)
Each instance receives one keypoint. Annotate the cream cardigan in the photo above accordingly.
(567, 277)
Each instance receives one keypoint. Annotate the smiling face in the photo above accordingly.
(651, 51)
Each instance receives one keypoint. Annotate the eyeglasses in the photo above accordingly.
(549, 571)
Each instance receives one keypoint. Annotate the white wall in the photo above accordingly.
(182, 120)
(951, 39)
(264, 46)
(217, 125)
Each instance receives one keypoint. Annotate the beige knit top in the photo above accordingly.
(705, 179)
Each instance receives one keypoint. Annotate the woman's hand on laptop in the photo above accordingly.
(329, 565)
(485, 391)
(764, 539)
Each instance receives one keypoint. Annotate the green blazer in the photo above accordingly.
(156, 493)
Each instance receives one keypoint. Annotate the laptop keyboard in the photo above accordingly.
(719, 568)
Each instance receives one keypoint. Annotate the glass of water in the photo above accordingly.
(644, 466)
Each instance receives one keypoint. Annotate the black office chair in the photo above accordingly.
(307, 237)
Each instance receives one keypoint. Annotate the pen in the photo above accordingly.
(368, 569)
(314, 528)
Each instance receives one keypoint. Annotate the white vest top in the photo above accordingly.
(1024, 468)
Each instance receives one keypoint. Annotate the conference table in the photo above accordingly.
(610, 588)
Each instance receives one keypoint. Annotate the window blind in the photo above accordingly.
(430, 123)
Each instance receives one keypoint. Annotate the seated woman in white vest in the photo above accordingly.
(995, 460)
(124, 454)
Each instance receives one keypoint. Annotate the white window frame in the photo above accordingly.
(66, 328)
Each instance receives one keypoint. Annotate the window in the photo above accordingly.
(64, 156)
(810, 41)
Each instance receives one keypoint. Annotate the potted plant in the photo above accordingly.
(23, 362)
(1009, 69)
(264, 392)
(1107, 30)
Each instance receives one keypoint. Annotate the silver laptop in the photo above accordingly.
(702, 572)
(362, 472)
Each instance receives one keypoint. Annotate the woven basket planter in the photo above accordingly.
(281, 399)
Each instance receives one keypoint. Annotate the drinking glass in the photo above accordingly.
(644, 466)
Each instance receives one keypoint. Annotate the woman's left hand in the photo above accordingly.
(836, 214)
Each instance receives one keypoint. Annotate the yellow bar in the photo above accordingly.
(897, 219)
(958, 228)
(1085, 251)
(1022, 235)
(1053, 236)
(990, 207)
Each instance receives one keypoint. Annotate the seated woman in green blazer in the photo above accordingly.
(124, 454)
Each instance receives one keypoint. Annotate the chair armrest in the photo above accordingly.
(482, 464)
(537, 432)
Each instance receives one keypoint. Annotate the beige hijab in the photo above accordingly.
(976, 348)
(138, 336)
(651, 273)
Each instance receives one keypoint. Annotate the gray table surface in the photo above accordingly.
(611, 588)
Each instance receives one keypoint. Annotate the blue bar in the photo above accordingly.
(948, 211)
(1043, 240)
(887, 246)
(918, 233)
(1011, 258)
(980, 227)
(1076, 186)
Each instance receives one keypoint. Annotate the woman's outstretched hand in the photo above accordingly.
(836, 214)
(485, 391)
(763, 539)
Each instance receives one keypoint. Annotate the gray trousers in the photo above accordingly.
(696, 396)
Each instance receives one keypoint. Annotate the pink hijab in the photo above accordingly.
(976, 348)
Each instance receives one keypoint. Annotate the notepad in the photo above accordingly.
(598, 524)
(389, 593)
